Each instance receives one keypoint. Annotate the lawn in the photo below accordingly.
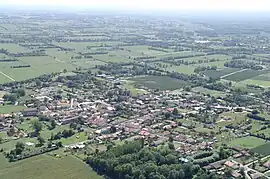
(44, 166)
(247, 142)
(78, 137)
(7, 109)
(159, 82)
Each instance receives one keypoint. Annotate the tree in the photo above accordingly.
(228, 172)
(38, 83)
(175, 111)
(65, 70)
(1, 140)
(21, 92)
(41, 140)
(10, 97)
(19, 148)
(109, 146)
(53, 124)
(50, 145)
(187, 88)
(171, 146)
(37, 126)
(170, 138)
(59, 144)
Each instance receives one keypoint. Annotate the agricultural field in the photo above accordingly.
(243, 75)
(159, 82)
(216, 74)
(262, 149)
(13, 48)
(45, 166)
(186, 69)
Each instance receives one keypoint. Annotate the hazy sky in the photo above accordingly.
(243, 5)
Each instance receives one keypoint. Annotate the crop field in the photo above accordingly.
(45, 166)
(183, 53)
(263, 77)
(216, 74)
(80, 46)
(159, 82)
(247, 142)
(209, 57)
(13, 48)
(186, 69)
(243, 75)
(263, 149)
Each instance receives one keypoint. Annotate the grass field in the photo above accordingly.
(159, 82)
(243, 75)
(263, 149)
(45, 166)
(7, 109)
(248, 142)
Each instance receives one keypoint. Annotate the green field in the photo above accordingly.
(257, 82)
(247, 142)
(216, 74)
(13, 48)
(159, 82)
(7, 109)
(243, 75)
(44, 166)
(134, 91)
(263, 149)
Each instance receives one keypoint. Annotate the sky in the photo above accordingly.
(238, 5)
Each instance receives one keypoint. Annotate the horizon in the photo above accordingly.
(145, 5)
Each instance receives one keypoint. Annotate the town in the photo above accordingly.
(129, 102)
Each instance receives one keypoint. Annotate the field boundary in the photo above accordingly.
(7, 76)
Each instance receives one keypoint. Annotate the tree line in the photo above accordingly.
(133, 160)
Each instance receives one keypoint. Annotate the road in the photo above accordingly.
(246, 168)
(257, 160)
(233, 73)
(7, 76)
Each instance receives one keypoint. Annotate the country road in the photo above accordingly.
(233, 73)
(7, 76)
